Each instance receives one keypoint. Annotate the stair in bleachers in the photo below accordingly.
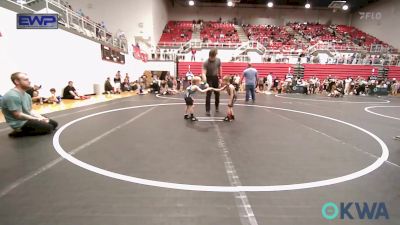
(196, 33)
(242, 35)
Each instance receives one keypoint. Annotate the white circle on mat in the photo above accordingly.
(178, 186)
(367, 109)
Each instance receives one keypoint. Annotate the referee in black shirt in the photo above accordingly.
(211, 73)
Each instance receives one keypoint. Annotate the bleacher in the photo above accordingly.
(216, 32)
(359, 37)
(176, 32)
(294, 36)
(272, 37)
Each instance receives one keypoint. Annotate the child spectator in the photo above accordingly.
(53, 98)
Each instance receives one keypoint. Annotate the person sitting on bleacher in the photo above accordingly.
(71, 93)
(17, 110)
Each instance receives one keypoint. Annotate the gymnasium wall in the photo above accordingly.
(273, 16)
(160, 18)
(384, 27)
(126, 15)
(53, 57)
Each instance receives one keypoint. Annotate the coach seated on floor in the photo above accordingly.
(17, 110)
(108, 88)
(70, 92)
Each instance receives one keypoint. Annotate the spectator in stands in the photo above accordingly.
(71, 93)
(347, 84)
(178, 84)
(117, 82)
(193, 58)
(17, 110)
(211, 74)
(155, 84)
(189, 76)
(265, 82)
(125, 86)
(127, 77)
(276, 83)
(236, 82)
(270, 82)
(34, 93)
(108, 88)
(158, 53)
(260, 85)
(251, 76)
(395, 87)
(312, 85)
(53, 98)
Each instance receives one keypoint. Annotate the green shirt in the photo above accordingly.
(12, 101)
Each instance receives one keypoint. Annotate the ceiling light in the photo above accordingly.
(230, 3)
(270, 4)
(345, 7)
(307, 6)
(191, 3)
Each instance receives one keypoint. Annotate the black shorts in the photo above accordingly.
(189, 100)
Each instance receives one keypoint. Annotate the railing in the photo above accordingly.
(199, 44)
(331, 47)
(88, 27)
(249, 45)
(22, 5)
(379, 48)
(73, 20)
(165, 56)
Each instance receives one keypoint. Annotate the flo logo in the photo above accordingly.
(370, 15)
(355, 210)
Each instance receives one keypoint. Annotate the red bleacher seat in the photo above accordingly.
(176, 32)
(219, 32)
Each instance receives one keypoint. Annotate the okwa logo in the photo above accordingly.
(355, 210)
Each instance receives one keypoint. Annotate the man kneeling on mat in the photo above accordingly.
(190, 91)
(17, 110)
